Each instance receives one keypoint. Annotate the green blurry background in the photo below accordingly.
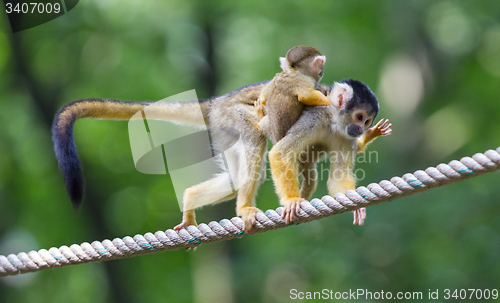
(434, 65)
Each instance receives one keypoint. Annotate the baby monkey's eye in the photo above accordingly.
(368, 122)
(360, 117)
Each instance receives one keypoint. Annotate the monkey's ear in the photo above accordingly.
(340, 94)
(318, 62)
(284, 64)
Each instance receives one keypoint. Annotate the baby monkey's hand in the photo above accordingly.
(260, 109)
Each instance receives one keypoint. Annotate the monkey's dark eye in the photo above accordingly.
(368, 122)
(360, 117)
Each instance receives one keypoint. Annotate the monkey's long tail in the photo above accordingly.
(63, 137)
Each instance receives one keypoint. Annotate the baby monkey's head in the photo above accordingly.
(306, 60)
(357, 104)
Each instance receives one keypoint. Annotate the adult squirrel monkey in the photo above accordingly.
(287, 93)
(231, 119)
(341, 128)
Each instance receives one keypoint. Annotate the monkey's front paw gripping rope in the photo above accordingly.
(192, 236)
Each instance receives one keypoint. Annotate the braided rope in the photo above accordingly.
(193, 236)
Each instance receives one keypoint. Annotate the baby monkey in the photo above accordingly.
(287, 93)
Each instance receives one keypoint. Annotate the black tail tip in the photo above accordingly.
(75, 192)
(76, 204)
(76, 207)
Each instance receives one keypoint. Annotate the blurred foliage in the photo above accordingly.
(434, 65)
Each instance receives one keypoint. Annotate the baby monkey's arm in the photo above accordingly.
(313, 97)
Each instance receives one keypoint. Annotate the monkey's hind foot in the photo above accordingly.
(291, 209)
(248, 215)
(185, 223)
(359, 216)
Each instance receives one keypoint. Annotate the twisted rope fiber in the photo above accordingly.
(193, 236)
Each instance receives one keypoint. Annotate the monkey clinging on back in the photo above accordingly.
(287, 93)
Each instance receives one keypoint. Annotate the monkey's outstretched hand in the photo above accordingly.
(382, 128)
